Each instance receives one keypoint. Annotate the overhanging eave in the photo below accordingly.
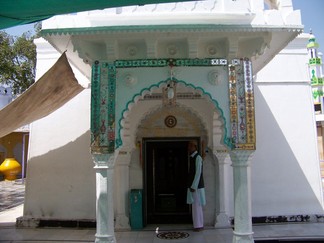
(84, 45)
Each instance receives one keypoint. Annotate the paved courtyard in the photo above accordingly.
(11, 207)
(12, 194)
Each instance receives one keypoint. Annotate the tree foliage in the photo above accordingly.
(17, 61)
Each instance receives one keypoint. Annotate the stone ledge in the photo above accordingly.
(23, 222)
(301, 218)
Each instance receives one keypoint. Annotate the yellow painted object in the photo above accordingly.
(10, 168)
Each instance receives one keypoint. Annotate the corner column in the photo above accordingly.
(103, 100)
(122, 191)
(104, 164)
(222, 219)
(241, 160)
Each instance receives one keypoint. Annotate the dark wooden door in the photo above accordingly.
(166, 182)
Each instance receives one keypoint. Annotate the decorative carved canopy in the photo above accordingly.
(255, 29)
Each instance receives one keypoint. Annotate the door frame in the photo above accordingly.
(145, 141)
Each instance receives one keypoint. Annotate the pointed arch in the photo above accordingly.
(192, 117)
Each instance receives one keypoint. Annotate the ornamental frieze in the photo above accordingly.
(106, 124)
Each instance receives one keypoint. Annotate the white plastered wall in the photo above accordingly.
(60, 179)
(285, 167)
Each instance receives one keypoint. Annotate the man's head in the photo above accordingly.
(192, 146)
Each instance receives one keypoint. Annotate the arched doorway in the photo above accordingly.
(197, 116)
(165, 161)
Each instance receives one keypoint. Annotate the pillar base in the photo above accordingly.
(222, 221)
(243, 237)
(105, 238)
(122, 222)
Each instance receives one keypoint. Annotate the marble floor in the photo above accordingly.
(11, 207)
(293, 232)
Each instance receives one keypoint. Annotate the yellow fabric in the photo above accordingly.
(56, 87)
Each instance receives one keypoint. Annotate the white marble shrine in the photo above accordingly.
(231, 74)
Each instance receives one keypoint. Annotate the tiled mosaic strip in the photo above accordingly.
(233, 104)
(103, 92)
(249, 100)
(242, 104)
(95, 104)
(170, 62)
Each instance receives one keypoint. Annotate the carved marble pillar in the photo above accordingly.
(103, 100)
(122, 190)
(222, 219)
(241, 160)
(104, 166)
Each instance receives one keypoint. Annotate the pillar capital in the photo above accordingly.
(104, 161)
(241, 157)
(222, 156)
(124, 157)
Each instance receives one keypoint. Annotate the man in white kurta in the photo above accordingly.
(196, 190)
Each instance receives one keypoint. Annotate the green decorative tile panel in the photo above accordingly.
(103, 95)
(315, 61)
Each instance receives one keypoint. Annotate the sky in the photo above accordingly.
(311, 13)
(312, 18)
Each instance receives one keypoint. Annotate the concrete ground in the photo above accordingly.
(11, 207)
